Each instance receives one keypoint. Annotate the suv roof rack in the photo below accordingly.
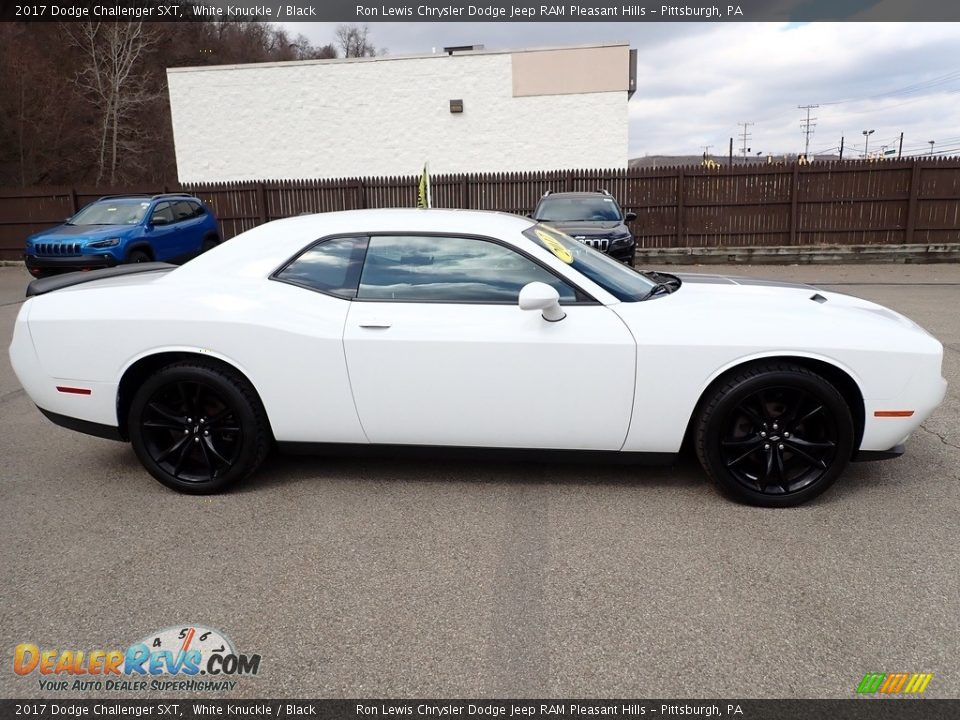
(148, 195)
(547, 193)
(604, 191)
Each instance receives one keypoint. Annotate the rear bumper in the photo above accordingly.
(108, 432)
(40, 263)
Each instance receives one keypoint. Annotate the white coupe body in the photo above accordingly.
(611, 375)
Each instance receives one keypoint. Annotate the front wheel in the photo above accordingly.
(198, 427)
(774, 435)
(138, 256)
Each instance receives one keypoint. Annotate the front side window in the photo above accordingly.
(162, 214)
(331, 267)
(449, 269)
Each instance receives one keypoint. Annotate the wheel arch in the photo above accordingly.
(842, 378)
(139, 245)
(142, 367)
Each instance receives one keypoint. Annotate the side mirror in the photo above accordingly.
(630, 216)
(540, 296)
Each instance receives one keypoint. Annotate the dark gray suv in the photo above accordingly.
(593, 218)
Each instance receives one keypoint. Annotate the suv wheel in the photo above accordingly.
(138, 256)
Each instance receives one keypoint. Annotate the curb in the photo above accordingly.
(805, 255)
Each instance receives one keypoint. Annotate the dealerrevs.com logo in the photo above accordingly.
(191, 658)
(894, 683)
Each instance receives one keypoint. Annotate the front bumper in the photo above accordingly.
(624, 254)
(37, 264)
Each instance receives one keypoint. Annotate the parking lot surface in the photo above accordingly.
(385, 578)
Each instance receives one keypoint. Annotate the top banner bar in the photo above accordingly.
(349, 11)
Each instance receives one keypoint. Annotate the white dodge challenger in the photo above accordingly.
(386, 330)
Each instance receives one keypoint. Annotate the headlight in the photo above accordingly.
(112, 242)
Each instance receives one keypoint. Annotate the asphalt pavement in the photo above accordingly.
(386, 578)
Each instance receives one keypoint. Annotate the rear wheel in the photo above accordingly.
(138, 256)
(198, 427)
(774, 435)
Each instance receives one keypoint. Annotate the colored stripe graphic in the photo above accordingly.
(894, 683)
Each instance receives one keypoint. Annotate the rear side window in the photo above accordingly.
(183, 210)
(331, 267)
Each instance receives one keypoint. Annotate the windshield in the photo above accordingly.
(111, 212)
(616, 278)
(572, 209)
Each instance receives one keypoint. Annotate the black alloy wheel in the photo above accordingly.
(138, 256)
(198, 427)
(775, 435)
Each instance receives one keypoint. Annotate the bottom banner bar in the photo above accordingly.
(892, 709)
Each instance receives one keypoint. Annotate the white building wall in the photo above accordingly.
(383, 117)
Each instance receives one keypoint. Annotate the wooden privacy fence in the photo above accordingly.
(913, 201)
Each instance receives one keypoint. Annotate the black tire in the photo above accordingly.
(774, 435)
(138, 256)
(198, 427)
(209, 243)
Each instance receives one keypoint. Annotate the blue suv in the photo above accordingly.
(120, 229)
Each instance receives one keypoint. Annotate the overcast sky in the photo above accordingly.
(696, 81)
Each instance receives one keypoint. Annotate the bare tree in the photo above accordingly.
(111, 76)
(354, 41)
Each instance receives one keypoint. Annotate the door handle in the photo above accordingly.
(375, 323)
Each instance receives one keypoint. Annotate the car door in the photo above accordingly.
(187, 239)
(439, 352)
(163, 232)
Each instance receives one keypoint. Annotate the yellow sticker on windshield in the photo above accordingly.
(555, 246)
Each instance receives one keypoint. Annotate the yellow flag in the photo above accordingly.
(423, 189)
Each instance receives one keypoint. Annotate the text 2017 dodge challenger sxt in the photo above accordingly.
(457, 329)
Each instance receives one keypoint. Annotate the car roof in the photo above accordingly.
(584, 193)
(266, 246)
(147, 198)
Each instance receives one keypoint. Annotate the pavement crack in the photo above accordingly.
(942, 438)
(11, 395)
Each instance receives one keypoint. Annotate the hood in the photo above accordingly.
(75, 233)
(587, 228)
(736, 311)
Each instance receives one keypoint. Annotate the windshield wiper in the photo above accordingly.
(662, 283)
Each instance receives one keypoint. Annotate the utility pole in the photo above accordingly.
(900, 150)
(730, 162)
(744, 135)
(706, 150)
(866, 142)
(808, 125)
(932, 142)
(841, 147)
